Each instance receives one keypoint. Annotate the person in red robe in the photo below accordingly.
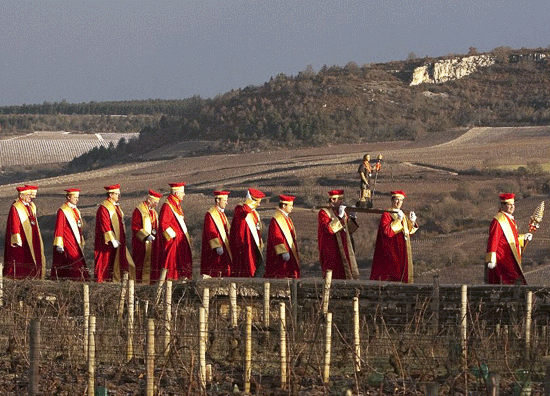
(68, 243)
(282, 257)
(334, 232)
(505, 246)
(392, 260)
(23, 247)
(175, 244)
(111, 254)
(245, 238)
(216, 256)
(145, 244)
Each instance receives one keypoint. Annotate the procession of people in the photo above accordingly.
(162, 247)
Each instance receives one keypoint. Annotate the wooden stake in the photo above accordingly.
(326, 291)
(86, 300)
(1, 284)
(202, 348)
(150, 387)
(294, 300)
(328, 347)
(233, 303)
(248, 351)
(356, 334)
(123, 291)
(282, 316)
(528, 317)
(267, 291)
(160, 285)
(34, 356)
(206, 306)
(130, 328)
(464, 323)
(167, 315)
(91, 358)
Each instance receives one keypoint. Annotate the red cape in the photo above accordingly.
(145, 254)
(278, 242)
(215, 233)
(247, 253)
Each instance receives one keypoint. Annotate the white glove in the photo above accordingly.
(285, 256)
(219, 251)
(115, 243)
(17, 244)
(491, 265)
(341, 211)
(370, 174)
(412, 216)
(150, 238)
(59, 249)
(528, 236)
(400, 214)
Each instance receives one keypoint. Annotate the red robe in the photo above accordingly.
(392, 259)
(281, 238)
(27, 260)
(111, 263)
(215, 233)
(246, 241)
(335, 246)
(144, 253)
(504, 247)
(175, 245)
(70, 264)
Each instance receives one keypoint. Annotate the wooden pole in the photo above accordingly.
(1, 284)
(167, 315)
(248, 351)
(267, 295)
(464, 323)
(494, 384)
(528, 317)
(86, 301)
(150, 390)
(326, 291)
(206, 306)
(130, 328)
(202, 348)
(160, 285)
(435, 305)
(328, 347)
(282, 316)
(233, 303)
(356, 334)
(34, 356)
(294, 294)
(123, 291)
(91, 358)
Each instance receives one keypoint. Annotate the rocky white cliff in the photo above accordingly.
(450, 69)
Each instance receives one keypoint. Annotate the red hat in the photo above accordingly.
(23, 189)
(219, 194)
(507, 197)
(336, 193)
(398, 193)
(286, 199)
(30, 187)
(115, 188)
(154, 195)
(174, 187)
(72, 191)
(255, 194)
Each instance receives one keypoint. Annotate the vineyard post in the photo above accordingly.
(435, 305)
(167, 315)
(160, 286)
(91, 358)
(528, 317)
(202, 348)
(150, 357)
(282, 316)
(357, 334)
(86, 300)
(494, 384)
(248, 351)
(267, 287)
(130, 328)
(34, 356)
(328, 347)
(464, 324)
(233, 303)
(123, 288)
(294, 301)
(326, 291)
(206, 306)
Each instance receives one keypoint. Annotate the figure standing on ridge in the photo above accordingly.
(68, 243)
(216, 256)
(334, 239)
(245, 237)
(505, 246)
(145, 241)
(366, 171)
(23, 248)
(282, 257)
(111, 254)
(392, 260)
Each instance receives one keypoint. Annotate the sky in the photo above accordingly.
(110, 50)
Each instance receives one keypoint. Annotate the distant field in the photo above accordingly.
(52, 147)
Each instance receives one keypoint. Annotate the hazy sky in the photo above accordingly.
(98, 50)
